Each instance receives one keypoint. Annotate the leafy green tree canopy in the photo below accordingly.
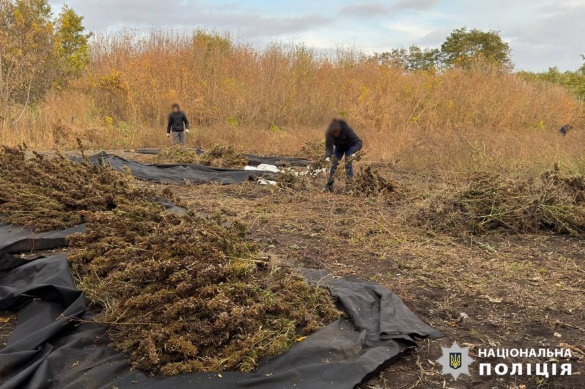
(460, 49)
(463, 47)
(37, 52)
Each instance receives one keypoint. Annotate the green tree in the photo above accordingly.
(26, 45)
(36, 51)
(72, 44)
(572, 81)
(413, 58)
(463, 47)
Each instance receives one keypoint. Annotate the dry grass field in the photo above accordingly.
(276, 99)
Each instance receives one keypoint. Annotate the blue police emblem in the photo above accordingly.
(455, 360)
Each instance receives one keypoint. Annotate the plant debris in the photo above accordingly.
(179, 292)
(183, 293)
(52, 193)
(177, 154)
(369, 182)
(223, 156)
(485, 202)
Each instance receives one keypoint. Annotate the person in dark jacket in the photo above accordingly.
(565, 129)
(178, 125)
(340, 140)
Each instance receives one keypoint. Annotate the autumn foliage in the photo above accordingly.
(276, 99)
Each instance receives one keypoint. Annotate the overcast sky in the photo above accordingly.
(542, 33)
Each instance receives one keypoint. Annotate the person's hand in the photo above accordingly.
(168, 135)
(187, 131)
(353, 156)
(328, 159)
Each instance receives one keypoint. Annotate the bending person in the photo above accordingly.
(340, 141)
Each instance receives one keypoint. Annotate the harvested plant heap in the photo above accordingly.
(51, 193)
(223, 156)
(484, 202)
(369, 182)
(183, 293)
(177, 154)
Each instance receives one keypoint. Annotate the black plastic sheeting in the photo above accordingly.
(55, 344)
(14, 239)
(180, 174)
(253, 160)
(51, 348)
(20, 239)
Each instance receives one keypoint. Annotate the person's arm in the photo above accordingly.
(356, 142)
(186, 121)
(170, 124)
(328, 146)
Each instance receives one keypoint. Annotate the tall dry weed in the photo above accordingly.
(276, 99)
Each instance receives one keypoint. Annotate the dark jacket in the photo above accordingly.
(176, 121)
(346, 140)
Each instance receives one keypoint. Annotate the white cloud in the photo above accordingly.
(542, 33)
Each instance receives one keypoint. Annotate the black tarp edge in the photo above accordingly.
(179, 173)
(252, 158)
(51, 348)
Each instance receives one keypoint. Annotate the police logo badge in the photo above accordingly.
(455, 360)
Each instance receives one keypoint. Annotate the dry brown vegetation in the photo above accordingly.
(176, 154)
(515, 288)
(52, 193)
(180, 292)
(505, 250)
(274, 100)
(472, 204)
(184, 293)
(478, 203)
(219, 155)
(223, 155)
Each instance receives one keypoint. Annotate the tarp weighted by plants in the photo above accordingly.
(15, 239)
(50, 347)
(253, 160)
(179, 174)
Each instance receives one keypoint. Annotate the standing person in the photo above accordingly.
(340, 141)
(178, 124)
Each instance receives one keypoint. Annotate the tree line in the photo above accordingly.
(38, 51)
(464, 47)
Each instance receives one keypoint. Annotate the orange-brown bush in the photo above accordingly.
(275, 99)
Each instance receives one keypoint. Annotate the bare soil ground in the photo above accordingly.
(515, 290)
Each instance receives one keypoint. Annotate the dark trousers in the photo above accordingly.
(338, 156)
(179, 138)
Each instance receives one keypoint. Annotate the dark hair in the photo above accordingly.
(337, 125)
(176, 106)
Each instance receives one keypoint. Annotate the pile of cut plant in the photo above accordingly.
(178, 291)
(49, 193)
(482, 202)
(370, 182)
(223, 156)
(185, 293)
(177, 155)
(219, 155)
